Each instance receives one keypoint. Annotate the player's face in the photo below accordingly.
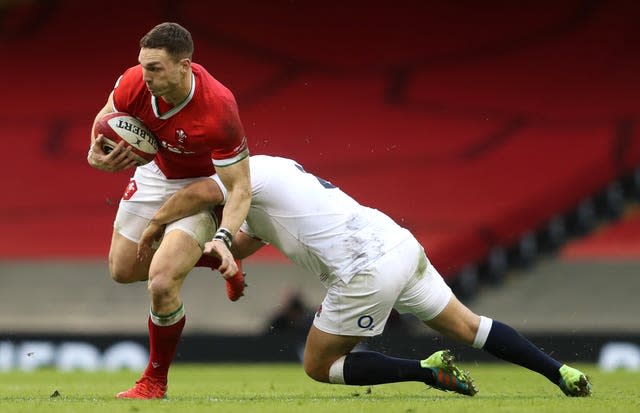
(160, 72)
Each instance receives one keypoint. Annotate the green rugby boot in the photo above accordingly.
(448, 377)
(573, 382)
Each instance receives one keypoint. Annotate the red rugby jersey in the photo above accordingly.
(205, 129)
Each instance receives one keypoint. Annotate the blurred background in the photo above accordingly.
(503, 134)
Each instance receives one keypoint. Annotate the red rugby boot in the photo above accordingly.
(236, 284)
(207, 261)
(146, 388)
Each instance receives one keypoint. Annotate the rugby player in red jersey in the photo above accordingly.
(196, 123)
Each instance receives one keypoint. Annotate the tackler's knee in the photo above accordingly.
(317, 371)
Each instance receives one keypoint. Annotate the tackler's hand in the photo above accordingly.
(228, 268)
(153, 232)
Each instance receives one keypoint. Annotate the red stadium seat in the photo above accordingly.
(469, 125)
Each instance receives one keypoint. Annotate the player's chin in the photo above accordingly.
(154, 91)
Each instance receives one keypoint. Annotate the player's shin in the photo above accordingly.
(164, 335)
(504, 342)
(368, 368)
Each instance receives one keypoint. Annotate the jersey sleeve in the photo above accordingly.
(232, 146)
(125, 90)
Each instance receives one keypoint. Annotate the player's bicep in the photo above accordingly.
(231, 143)
(236, 175)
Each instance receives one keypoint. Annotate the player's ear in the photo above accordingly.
(185, 64)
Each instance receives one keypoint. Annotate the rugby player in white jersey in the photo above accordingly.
(369, 265)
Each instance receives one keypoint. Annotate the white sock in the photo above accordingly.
(483, 332)
(336, 371)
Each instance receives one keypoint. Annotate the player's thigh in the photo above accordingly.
(358, 308)
(428, 297)
(200, 226)
(180, 249)
(362, 306)
(322, 349)
(124, 265)
(426, 294)
(175, 257)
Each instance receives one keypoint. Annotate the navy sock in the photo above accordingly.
(507, 344)
(368, 368)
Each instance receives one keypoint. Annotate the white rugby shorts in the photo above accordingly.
(403, 279)
(147, 190)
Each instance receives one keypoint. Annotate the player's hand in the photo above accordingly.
(217, 247)
(118, 159)
(151, 233)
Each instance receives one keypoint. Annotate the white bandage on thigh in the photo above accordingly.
(336, 371)
(483, 332)
(200, 226)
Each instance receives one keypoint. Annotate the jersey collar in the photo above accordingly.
(178, 107)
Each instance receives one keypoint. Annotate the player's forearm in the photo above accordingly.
(188, 201)
(95, 120)
(108, 108)
(236, 178)
(236, 208)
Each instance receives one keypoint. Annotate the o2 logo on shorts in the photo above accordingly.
(366, 322)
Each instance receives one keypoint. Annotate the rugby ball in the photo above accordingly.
(120, 126)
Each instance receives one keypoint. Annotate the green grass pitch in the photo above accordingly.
(285, 388)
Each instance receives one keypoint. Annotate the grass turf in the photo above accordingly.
(284, 388)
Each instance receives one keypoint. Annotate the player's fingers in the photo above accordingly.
(228, 268)
(96, 146)
(233, 268)
(143, 252)
(116, 153)
(120, 152)
(209, 249)
(131, 157)
(121, 161)
(131, 164)
(124, 159)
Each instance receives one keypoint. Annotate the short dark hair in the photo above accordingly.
(172, 37)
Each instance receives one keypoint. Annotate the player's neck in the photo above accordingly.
(181, 92)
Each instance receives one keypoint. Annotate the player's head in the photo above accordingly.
(173, 38)
(165, 56)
